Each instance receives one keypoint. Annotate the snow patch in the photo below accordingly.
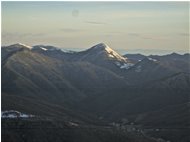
(29, 47)
(43, 48)
(67, 51)
(73, 124)
(14, 114)
(126, 66)
(110, 55)
(152, 59)
(113, 54)
(118, 63)
(110, 52)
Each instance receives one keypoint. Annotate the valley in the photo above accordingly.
(93, 95)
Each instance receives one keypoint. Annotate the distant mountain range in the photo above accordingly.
(97, 85)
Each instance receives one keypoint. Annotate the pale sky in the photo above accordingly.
(127, 26)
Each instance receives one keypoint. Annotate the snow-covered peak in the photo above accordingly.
(113, 54)
(102, 47)
(27, 46)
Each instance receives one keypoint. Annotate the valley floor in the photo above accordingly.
(47, 130)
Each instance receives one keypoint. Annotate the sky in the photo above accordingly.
(146, 27)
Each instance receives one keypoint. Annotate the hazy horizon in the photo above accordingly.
(146, 52)
(145, 27)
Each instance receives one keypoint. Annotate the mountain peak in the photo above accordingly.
(101, 45)
(106, 50)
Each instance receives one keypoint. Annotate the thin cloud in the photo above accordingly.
(134, 34)
(21, 35)
(71, 30)
(183, 34)
(154, 37)
(147, 36)
(75, 13)
(96, 23)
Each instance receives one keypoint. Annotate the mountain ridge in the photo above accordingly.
(96, 86)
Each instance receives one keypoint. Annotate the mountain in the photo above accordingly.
(175, 61)
(95, 87)
(102, 55)
(28, 74)
(176, 81)
(44, 48)
(146, 67)
(102, 51)
(172, 56)
(147, 70)
(35, 67)
(53, 52)
(130, 101)
(134, 57)
(99, 55)
(8, 51)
